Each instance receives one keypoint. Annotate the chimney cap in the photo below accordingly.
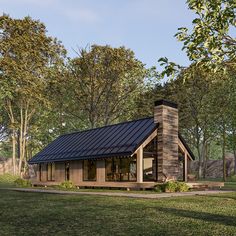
(166, 103)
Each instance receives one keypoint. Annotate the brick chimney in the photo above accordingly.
(166, 117)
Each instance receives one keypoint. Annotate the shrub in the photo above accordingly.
(171, 187)
(232, 178)
(182, 187)
(22, 182)
(67, 185)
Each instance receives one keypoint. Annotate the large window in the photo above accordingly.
(150, 161)
(51, 171)
(149, 169)
(121, 169)
(89, 170)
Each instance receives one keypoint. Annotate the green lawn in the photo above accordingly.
(50, 214)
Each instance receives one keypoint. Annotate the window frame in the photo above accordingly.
(89, 180)
(119, 169)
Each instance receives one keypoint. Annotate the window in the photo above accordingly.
(51, 171)
(149, 169)
(150, 161)
(89, 170)
(121, 169)
(67, 171)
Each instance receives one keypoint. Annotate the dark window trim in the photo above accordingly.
(67, 163)
(40, 172)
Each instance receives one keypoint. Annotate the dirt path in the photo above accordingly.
(131, 195)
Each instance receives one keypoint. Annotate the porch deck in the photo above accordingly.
(200, 185)
(132, 185)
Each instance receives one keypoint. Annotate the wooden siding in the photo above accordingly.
(76, 171)
(44, 172)
(101, 175)
(59, 171)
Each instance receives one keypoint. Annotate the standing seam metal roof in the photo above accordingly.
(114, 140)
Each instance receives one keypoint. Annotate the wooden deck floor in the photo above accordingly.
(132, 185)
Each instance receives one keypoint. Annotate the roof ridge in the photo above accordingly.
(86, 130)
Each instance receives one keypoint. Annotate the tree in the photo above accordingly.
(28, 58)
(104, 82)
(211, 42)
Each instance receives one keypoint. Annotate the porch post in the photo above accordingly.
(185, 167)
(140, 165)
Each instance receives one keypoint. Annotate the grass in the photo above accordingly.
(51, 214)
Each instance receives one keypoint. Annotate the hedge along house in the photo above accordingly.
(134, 154)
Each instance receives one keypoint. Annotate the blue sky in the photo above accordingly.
(145, 26)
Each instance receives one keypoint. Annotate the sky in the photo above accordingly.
(145, 26)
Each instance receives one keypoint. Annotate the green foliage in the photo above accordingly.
(171, 187)
(7, 179)
(104, 83)
(67, 185)
(23, 182)
(182, 187)
(30, 63)
(211, 42)
(232, 178)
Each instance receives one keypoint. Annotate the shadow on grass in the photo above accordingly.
(222, 196)
(210, 217)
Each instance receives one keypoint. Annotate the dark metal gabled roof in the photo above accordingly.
(114, 140)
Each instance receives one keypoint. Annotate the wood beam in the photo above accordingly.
(185, 167)
(140, 165)
(147, 141)
(183, 149)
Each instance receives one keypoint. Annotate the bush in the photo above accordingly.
(67, 185)
(171, 187)
(232, 178)
(22, 182)
(182, 187)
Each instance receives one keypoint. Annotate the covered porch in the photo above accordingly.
(138, 171)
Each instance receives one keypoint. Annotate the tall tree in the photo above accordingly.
(27, 59)
(104, 82)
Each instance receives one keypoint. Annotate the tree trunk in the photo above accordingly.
(223, 153)
(205, 159)
(14, 152)
(234, 161)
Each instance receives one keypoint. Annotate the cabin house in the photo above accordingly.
(133, 154)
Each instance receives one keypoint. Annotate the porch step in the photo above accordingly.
(205, 185)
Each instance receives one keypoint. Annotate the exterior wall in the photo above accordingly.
(76, 171)
(167, 141)
(101, 175)
(59, 171)
(44, 172)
